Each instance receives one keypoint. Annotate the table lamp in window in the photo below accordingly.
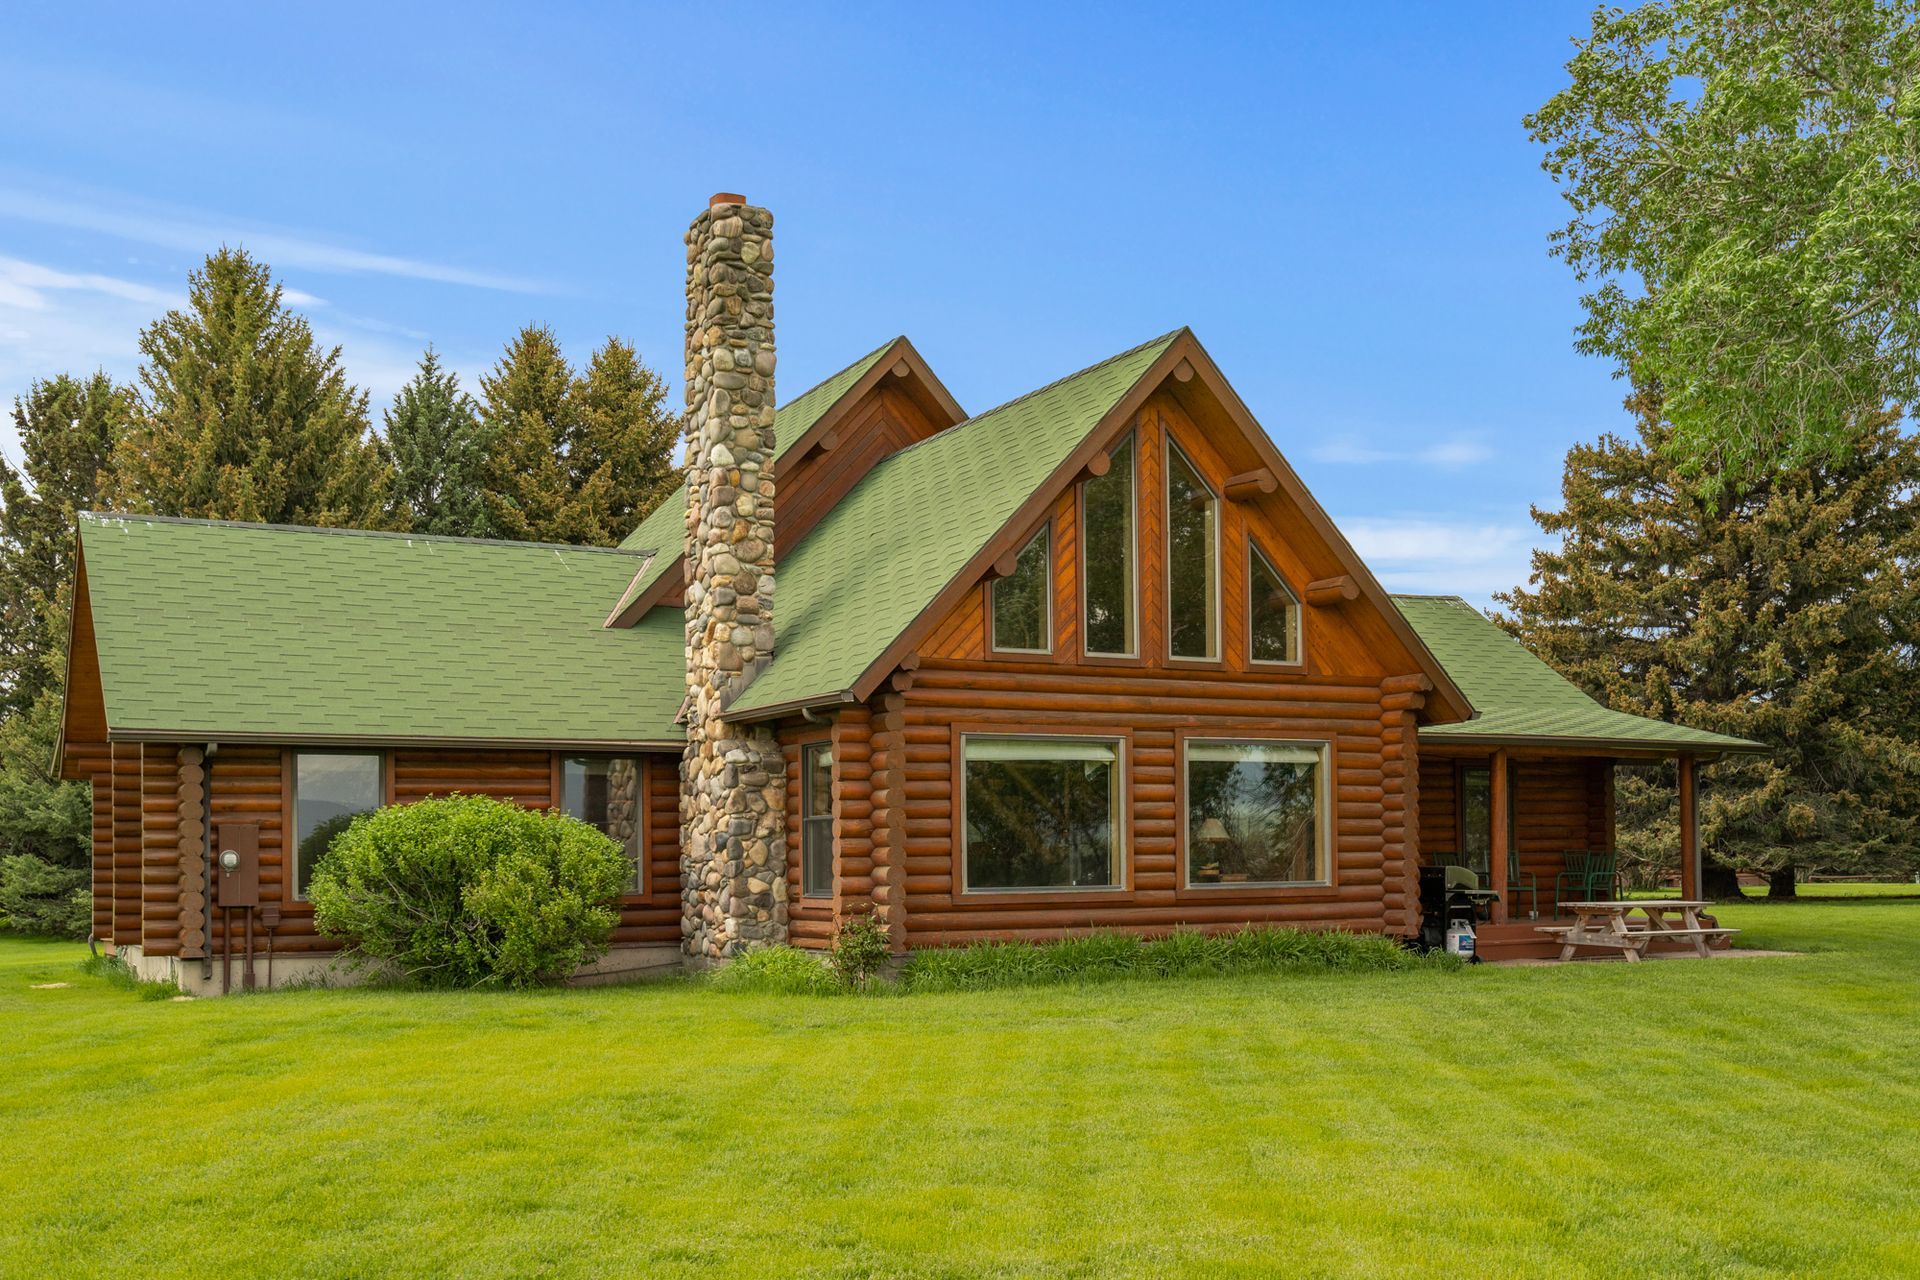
(1213, 840)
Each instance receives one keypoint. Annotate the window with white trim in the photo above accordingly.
(1193, 561)
(1021, 621)
(1041, 813)
(1108, 578)
(1256, 814)
(1273, 613)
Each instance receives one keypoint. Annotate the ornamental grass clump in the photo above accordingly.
(469, 891)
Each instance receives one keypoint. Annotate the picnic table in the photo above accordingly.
(1616, 925)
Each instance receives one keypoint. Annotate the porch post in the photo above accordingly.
(1497, 830)
(1689, 831)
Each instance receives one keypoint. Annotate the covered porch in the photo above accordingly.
(1557, 843)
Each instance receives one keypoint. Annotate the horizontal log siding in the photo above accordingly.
(1153, 705)
(159, 849)
(126, 844)
(247, 785)
(520, 777)
(655, 918)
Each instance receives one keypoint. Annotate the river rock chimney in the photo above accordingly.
(733, 863)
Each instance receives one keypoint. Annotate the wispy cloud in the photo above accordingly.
(1442, 555)
(197, 232)
(1458, 451)
(26, 285)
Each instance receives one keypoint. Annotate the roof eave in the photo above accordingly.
(1460, 733)
(255, 738)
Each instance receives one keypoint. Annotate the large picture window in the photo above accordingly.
(604, 792)
(816, 820)
(1273, 621)
(1256, 814)
(1107, 557)
(1020, 614)
(1193, 561)
(1042, 813)
(330, 790)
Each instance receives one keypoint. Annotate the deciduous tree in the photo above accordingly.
(1745, 186)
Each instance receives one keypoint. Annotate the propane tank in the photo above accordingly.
(1460, 939)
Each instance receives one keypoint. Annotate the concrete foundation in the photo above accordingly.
(621, 964)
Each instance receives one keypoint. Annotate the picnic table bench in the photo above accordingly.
(1614, 925)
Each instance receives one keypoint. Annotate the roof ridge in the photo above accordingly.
(1447, 596)
(103, 516)
(1118, 356)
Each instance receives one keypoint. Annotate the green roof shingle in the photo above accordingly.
(1519, 698)
(209, 629)
(886, 550)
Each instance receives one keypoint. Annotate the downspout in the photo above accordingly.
(206, 868)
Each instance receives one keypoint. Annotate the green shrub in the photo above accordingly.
(116, 972)
(779, 971)
(468, 890)
(38, 897)
(861, 949)
(1183, 953)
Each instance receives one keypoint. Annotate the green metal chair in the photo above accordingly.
(1519, 878)
(1589, 873)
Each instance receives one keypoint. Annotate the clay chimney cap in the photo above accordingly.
(726, 197)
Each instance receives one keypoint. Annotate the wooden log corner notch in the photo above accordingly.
(1331, 593)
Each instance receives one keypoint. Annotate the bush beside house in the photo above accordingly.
(468, 891)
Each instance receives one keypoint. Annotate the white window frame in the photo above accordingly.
(1045, 535)
(1217, 592)
(1299, 626)
(1132, 650)
(1118, 807)
(1325, 814)
(292, 836)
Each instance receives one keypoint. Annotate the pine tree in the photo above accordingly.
(244, 417)
(526, 413)
(1784, 608)
(437, 449)
(620, 452)
(69, 429)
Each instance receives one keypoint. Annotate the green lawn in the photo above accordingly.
(1733, 1118)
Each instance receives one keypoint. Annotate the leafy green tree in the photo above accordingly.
(1745, 184)
(1786, 610)
(244, 416)
(438, 452)
(527, 414)
(69, 429)
(620, 448)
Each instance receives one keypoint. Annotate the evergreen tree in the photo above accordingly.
(46, 827)
(1784, 608)
(69, 429)
(438, 453)
(244, 417)
(526, 412)
(620, 452)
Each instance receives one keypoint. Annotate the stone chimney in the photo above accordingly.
(733, 862)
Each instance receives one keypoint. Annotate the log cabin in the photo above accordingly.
(1092, 659)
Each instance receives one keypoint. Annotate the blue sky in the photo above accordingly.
(1340, 200)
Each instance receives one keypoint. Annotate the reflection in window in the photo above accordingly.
(1193, 572)
(1042, 813)
(816, 820)
(1273, 628)
(1107, 556)
(1255, 814)
(604, 792)
(330, 790)
(1020, 623)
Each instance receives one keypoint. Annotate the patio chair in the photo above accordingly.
(1573, 875)
(1519, 878)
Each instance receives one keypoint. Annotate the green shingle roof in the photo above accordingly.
(208, 629)
(1519, 698)
(886, 550)
(665, 528)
